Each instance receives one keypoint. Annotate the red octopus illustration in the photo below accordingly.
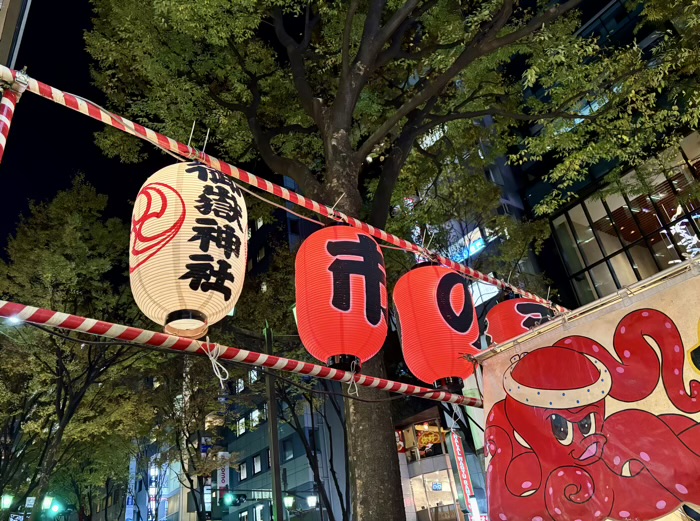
(556, 456)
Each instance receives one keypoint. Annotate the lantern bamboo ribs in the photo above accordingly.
(18, 313)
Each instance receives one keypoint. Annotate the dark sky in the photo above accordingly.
(48, 143)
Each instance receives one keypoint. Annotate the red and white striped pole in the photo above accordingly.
(10, 98)
(94, 111)
(18, 313)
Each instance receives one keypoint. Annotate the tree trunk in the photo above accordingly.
(372, 456)
(373, 460)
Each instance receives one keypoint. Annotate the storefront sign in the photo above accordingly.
(600, 420)
(223, 474)
(428, 438)
(462, 468)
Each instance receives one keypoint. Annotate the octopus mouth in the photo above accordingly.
(593, 452)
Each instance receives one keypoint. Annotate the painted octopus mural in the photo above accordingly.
(556, 455)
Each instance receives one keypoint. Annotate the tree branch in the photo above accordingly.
(484, 43)
(347, 32)
(309, 102)
(533, 25)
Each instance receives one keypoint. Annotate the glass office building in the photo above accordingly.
(607, 243)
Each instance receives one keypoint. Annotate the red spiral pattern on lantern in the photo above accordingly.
(152, 244)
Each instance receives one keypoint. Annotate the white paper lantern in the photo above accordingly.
(188, 248)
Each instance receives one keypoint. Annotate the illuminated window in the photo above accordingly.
(257, 464)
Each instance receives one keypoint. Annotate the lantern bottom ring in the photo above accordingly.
(345, 363)
(188, 323)
(451, 384)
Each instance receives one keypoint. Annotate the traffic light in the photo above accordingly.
(230, 499)
(56, 509)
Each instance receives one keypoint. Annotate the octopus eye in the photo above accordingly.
(587, 425)
(562, 429)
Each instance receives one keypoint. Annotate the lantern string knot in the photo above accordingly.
(352, 384)
(453, 427)
(213, 352)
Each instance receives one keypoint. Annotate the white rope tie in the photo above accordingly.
(213, 353)
(453, 427)
(352, 384)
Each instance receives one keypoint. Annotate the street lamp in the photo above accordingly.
(7, 501)
(46, 503)
(288, 502)
(312, 501)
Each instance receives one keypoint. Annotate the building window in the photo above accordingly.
(610, 243)
(253, 376)
(259, 223)
(240, 385)
(255, 418)
(250, 265)
(243, 516)
(261, 254)
(241, 426)
(258, 513)
(242, 471)
(257, 464)
(287, 450)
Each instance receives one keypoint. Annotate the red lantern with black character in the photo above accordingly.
(438, 325)
(341, 296)
(513, 317)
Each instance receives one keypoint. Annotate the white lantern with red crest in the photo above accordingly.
(188, 248)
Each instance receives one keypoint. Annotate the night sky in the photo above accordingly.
(48, 143)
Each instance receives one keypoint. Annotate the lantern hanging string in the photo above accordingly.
(213, 352)
(162, 341)
(94, 111)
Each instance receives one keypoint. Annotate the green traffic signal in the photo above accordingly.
(228, 499)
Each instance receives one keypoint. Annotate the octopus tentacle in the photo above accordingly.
(571, 494)
(504, 503)
(637, 369)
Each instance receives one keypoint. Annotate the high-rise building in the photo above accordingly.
(600, 245)
(13, 17)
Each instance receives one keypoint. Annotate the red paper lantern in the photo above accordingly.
(438, 325)
(512, 318)
(341, 296)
